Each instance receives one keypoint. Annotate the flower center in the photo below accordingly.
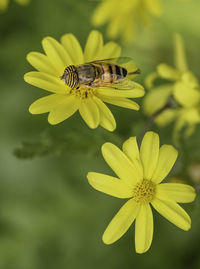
(83, 92)
(144, 192)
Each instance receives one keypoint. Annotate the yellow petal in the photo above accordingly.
(110, 185)
(137, 85)
(41, 63)
(167, 157)
(129, 30)
(3, 5)
(73, 48)
(149, 152)
(143, 229)
(157, 98)
(179, 54)
(190, 115)
(107, 119)
(166, 117)
(94, 46)
(130, 148)
(130, 67)
(173, 212)
(110, 50)
(108, 92)
(126, 84)
(120, 164)
(115, 26)
(168, 72)
(190, 80)
(180, 193)
(46, 82)
(149, 81)
(23, 2)
(122, 102)
(47, 103)
(56, 54)
(190, 129)
(101, 13)
(64, 110)
(121, 222)
(186, 95)
(154, 7)
(89, 112)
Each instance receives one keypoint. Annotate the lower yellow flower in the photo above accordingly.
(140, 175)
(65, 101)
(4, 3)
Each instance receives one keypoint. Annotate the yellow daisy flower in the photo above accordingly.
(123, 16)
(184, 88)
(140, 173)
(4, 3)
(64, 101)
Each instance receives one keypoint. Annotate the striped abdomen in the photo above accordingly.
(109, 73)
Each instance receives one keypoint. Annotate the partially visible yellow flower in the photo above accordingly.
(124, 16)
(64, 101)
(139, 176)
(4, 3)
(182, 86)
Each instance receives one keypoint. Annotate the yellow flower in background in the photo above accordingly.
(64, 101)
(124, 16)
(4, 3)
(182, 86)
(140, 173)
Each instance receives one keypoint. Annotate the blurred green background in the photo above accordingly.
(49, 215)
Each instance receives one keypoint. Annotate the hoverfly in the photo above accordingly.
(101, 73)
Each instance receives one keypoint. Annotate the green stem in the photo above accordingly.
(171, 103)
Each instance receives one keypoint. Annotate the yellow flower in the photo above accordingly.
(140, 173)
(4, 3)
(123, 16)
(64, 101)
(183, 88)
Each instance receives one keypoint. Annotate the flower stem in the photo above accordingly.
(171, 103)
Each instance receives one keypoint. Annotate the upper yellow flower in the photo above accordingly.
(64, 101)
(124, 16)
(183, 88)
(4, 3)
(140, 175)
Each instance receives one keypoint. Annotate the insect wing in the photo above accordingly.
(125, 62)
(125, 84)
(118, 61)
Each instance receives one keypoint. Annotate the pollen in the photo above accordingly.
(83, 92)
(144, 192)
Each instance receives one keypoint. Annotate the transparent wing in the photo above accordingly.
(125, 84)
(125, 62)
(119, 60)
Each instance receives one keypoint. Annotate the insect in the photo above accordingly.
(101, 73)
